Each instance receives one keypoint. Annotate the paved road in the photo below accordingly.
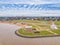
(8, 37)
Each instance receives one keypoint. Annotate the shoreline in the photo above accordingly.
(26, 36)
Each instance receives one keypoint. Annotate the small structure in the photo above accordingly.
(23, 23)
(28, 28)
(53, 26)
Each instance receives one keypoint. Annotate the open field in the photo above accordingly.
(42, 33)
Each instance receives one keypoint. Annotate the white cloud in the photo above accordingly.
(30, 1)
(29, 12)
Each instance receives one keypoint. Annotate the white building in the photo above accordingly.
(53, 26)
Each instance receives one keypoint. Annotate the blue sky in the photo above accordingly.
(25, 12)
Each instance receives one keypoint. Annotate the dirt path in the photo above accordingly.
(52, 32)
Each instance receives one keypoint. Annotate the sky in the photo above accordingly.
(29, 1)
(24, 12)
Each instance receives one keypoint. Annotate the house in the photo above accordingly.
(28, 28)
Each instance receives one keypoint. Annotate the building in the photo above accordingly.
(28, 28)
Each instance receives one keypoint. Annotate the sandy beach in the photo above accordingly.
(8, 37)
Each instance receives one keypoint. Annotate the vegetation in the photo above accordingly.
(42, 33)
(56, 31)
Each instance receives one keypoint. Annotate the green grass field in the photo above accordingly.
(42, 33)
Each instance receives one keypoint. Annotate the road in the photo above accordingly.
(8, 37)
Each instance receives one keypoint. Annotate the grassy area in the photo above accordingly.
(57, 22)
(45, 33)
(30, 21)
(21, 31)
(56, 31)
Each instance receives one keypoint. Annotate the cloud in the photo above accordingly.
(30, 1)
(28, 12)
(53, 1)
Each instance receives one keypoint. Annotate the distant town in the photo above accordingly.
(30, 18)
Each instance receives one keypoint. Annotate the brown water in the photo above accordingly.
(8, 37)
